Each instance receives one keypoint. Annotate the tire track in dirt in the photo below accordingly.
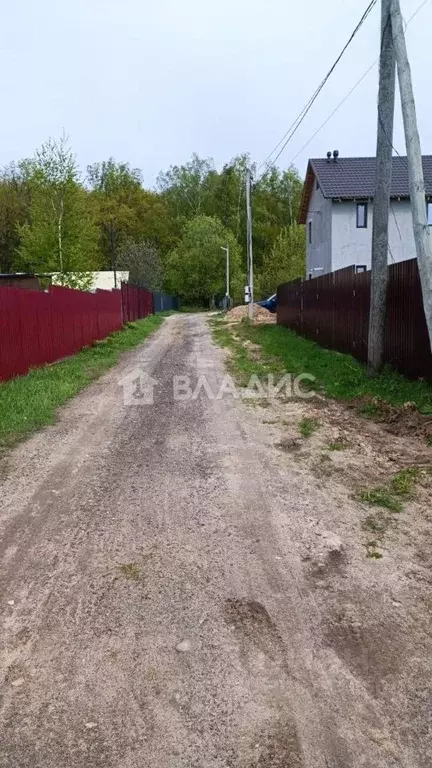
(180, 601)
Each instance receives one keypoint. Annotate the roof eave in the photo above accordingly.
(306, 194)
(369, 198)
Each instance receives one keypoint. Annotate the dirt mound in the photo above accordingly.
(260, 315)
(405, 420)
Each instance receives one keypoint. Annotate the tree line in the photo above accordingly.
(54, 219)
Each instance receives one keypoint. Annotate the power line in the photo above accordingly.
(395, 220)
(335, 110)
(298, 121)
(385, 134)
(351, 91)
(416, 12)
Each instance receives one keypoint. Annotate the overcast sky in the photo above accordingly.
(152, 82)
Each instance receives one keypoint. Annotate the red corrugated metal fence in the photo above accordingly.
(39, 327)
(333, 310)
(136, 302)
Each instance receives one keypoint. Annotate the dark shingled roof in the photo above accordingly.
(354, 177)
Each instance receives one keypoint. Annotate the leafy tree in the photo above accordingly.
(143, 262)
(196, 268)
(286, 260)
(60, 236)
(154, 222)
(114, 188)
(58, 225)
(275, 202)
(185, 187)
(14, 212)
(125, 211)
(111, 177)
(226, 195)
(281, 191)
(197, 188)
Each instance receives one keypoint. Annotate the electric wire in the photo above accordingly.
(350, 92)
(298, 121)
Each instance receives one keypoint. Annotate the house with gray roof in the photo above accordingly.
(337, 210)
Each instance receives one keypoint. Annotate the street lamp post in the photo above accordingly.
(227, 274)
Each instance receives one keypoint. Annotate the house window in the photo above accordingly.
(429, 214)
(310, 231)
(361, 215)
(360, 268)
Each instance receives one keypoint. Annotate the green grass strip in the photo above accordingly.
(337, 375)
(30, 402)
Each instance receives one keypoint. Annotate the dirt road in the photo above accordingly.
(177, 594)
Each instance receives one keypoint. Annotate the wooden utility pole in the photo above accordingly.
(381, 209)
(249, 242)
(415, 167)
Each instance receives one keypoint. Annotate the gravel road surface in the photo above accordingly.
(176, 594)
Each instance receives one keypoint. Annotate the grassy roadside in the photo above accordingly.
(30, 402)
(337, 375)
(383, 474)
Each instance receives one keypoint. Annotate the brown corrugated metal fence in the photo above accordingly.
(333, 310)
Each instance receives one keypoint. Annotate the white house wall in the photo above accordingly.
(318, 253)
(101, 280)
(352, 245)
(105, 280)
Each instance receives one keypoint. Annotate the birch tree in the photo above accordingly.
(60, 236)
